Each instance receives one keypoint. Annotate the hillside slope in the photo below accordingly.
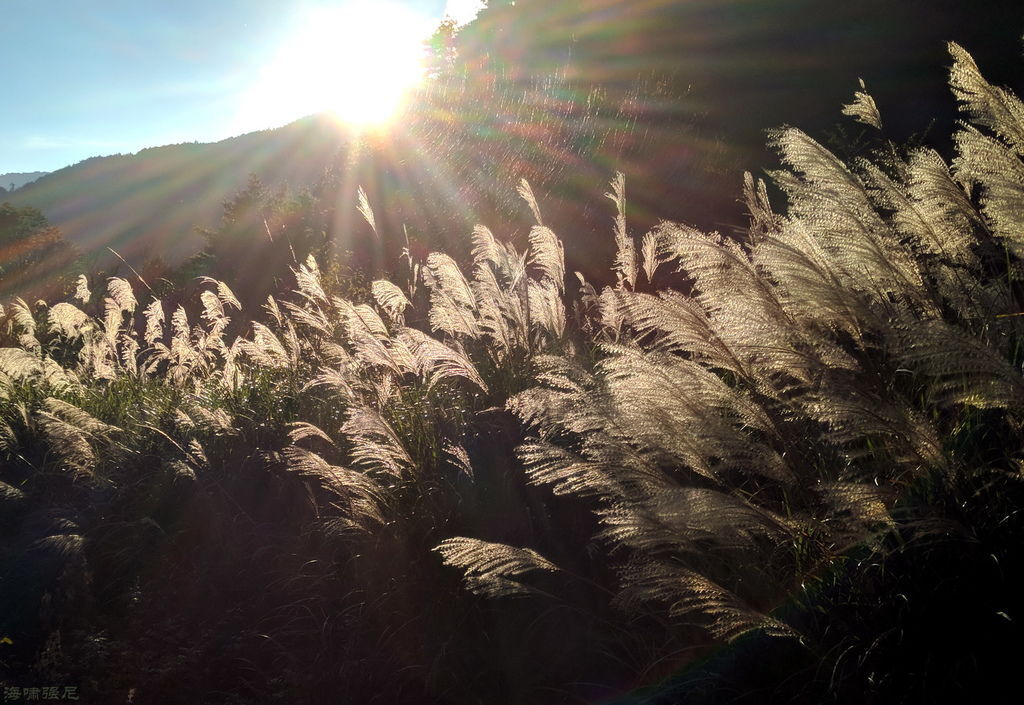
(150, 203)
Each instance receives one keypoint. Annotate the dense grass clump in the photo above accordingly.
(797, 475)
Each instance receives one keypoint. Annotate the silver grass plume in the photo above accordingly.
(453, 305)
(986, 162)
(67, 320)
(154, 316)
(547, 256)
(986, 105)
(82, 292)
(835, 205)
(493, 569)
(391, 299)
(69, 432)
(307, 278)
(375, 445)
(687, 593)
(863, 108)
(362, 499)
(364, 210)
(526, 193)
(436, 361)
(625, 256)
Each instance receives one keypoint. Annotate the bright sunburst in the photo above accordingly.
(357, 61)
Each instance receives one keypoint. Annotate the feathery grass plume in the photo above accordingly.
(154, 315)
(436, 361)
(24, 322)
(129, 357)
(274, 311)
(857, 508)
(835, 206)
(870, 427)
(363, 500)
(113, 319)
(687, 593)
(756, 327)
(755, 197)
(336, 380)
(364, 210)
(863, 109)
(307, 278)
(986, 105)
(500, 287)
(77, 417)
(493, 569)
(547, 309)
(120, 300)
(453, 305)
(217, 422)
(459, 459)
(676, 323)
(948, 214)
(67, 320)
(697, 522)
(391, 299)
(68, 431)
(986, 162)
(486, 250)
(809, 285)
(10, 497)
(933, 214)
(526, 193)
(224, 293)
(501, 318)
(649, 256)
(688, 414)
(547, 256)
(213, 310)
(956, 368)
(625, 256)
(371, 341)
(197, 454)
(566, 473)
(179, 324)
(120, 291)
(563, 387)
(311, 316)
(301, 430)
(266, 349)
(67, 547)
(611, 314)
(19, 364)
(375, 445)
(82, 292)
(586, 307)
(26, 366)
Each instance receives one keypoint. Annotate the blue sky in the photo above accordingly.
(87, 78)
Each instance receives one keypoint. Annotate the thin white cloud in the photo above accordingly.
(463, 11)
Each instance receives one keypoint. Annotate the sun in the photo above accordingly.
(357, 61)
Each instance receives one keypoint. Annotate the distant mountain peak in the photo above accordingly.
(15, 180)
